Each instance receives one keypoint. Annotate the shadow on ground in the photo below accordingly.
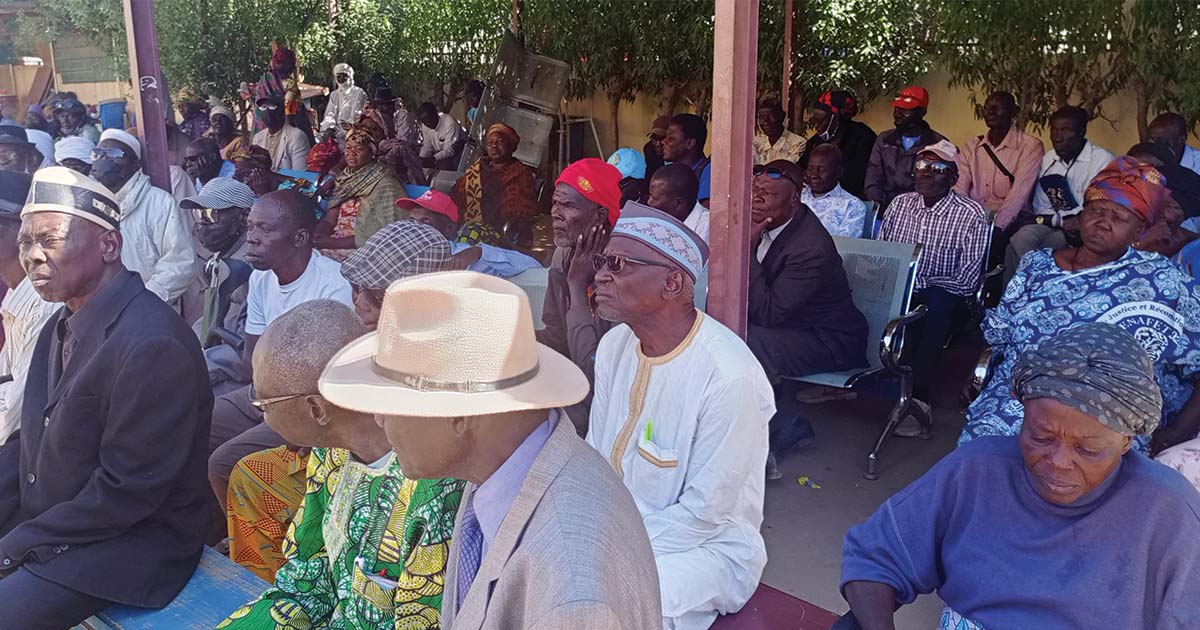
(804, 527)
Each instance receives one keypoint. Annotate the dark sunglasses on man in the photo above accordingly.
(616, 263)
(112, 153)
(208, 216)
(935, 167)
(268, 107)
(774, 173)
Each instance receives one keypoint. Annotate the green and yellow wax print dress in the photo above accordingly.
(366, 551)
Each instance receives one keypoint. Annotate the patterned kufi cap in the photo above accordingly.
(664, 234)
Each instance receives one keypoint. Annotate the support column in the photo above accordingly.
(735, 57)
(785, 85)
(149, 103)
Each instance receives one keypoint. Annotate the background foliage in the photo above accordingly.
(1048, 52)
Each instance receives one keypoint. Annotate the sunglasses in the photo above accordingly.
(616, 263)
(774, 173)
(261, 404)
(268, 107)
(932, 166)
(112, 153)
(208, 216)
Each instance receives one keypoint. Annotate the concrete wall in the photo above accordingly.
(950, 112)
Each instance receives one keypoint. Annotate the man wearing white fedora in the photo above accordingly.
(546, 537)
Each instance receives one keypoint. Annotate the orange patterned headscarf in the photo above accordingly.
(1139, 187)
(506, 132)
(366, 132)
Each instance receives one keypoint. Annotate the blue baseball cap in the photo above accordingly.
(630, 162)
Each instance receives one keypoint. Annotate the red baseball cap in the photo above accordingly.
(598, 181)
(434, 201)
(912, 97)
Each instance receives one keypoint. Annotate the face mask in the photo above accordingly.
(106, 172)
(830, 129)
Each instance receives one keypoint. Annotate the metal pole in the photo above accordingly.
(785, 86)
(142, 38)
(735, 56)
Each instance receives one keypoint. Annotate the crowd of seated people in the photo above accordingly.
(389, 438)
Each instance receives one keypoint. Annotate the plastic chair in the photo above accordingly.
(881, 276)
(534, 283)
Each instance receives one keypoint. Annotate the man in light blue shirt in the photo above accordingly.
(439, 211)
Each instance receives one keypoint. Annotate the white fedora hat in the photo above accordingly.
(451, 344)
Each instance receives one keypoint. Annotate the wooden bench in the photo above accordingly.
(218, 587)
(881, 276)
(772, 609)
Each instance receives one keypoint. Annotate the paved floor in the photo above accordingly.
(803, 527)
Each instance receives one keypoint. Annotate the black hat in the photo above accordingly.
(14, 134)
(14, 188)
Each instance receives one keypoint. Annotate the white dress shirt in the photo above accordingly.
(24, 313)
(1091, 160)
(697, 221)
(687, 434)
(440, 143)
(768, 237)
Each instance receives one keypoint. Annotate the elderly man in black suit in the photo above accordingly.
(801, 318)
(102, 487)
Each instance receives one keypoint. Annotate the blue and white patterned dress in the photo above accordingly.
(1143, 293)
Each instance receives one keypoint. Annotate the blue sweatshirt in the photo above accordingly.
(974, 529)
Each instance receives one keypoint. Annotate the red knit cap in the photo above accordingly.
(598, 181)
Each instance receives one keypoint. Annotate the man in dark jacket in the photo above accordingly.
(832, 119)
(801, 318)
(101, 489)
(890, 171)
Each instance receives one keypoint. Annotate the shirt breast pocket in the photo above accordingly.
(654, 474)
(944, 254)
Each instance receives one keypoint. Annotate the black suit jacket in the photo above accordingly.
(104, 488)
(801, 285)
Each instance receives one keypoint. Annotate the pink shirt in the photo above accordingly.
(980, 179)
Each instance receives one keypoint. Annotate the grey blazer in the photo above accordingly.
(571, 553)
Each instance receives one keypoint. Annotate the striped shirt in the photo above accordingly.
(953, 235)
(24, 313)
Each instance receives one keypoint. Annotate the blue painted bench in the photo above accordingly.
(219, 586)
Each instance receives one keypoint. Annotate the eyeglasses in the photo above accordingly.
(268, 107)
(261, 404)
(932, 166)
(113, 153)
(775, 173)
(616, 263)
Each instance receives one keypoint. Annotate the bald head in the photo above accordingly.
(825, 168)
(294, 349)
(292, 204)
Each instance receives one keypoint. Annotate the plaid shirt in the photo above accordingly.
(953, 235)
